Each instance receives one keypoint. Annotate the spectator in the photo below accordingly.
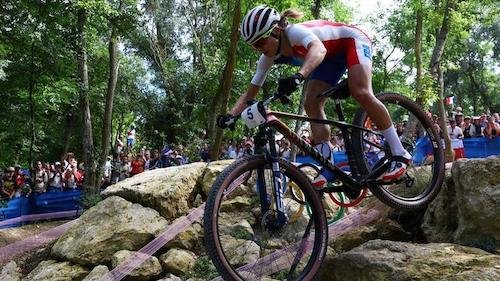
(205, 153)
(71, 175)
(41, 178)
(483, 120)
(131, 137)
(248, 150)
(285, 150)
(459, 119)
(496, 117)
(476, 129)
(124, 168)
(147, 159)
(165, 156)
(119, 146)
(456, 137)
(137, 165)
(107, 172)
(155, 161)
(183, 159)
(458, 110)
(18, 176)
(9, 184)
(232, 153)
(56, 179)
(466, 127)
(231, 150)
(67, 160)
(492, 128)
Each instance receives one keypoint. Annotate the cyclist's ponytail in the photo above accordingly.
(289, 13)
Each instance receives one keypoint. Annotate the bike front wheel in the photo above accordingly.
(246, 244)
(424, 176)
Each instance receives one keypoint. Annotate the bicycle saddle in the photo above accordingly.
(339, 91)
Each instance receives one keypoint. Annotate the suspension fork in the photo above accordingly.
(266, 136)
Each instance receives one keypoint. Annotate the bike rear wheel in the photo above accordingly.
(238, 237)
(424, 176)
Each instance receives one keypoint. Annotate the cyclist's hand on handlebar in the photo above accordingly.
(288, 85)
(226, 121)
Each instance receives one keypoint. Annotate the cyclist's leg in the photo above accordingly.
(326, 75)
(315, 108)
(359, 63)
(360, 86)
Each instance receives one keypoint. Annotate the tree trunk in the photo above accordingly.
(108, 110)
(316, 9)
(444, 128)
(441, 36)
(437, 73)
(227, 79)
(89, 184)
(32, 105)
(68, 127)
(418, 55)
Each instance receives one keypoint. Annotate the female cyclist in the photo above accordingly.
(323, 50)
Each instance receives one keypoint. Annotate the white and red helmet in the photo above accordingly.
(257, 22)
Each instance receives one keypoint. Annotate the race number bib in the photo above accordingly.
(254, 115)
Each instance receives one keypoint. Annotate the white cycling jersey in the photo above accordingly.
(338, 39)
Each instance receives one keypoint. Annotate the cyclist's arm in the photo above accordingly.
(263, 66)
(316, 52)
(301, 36)
(241, 104)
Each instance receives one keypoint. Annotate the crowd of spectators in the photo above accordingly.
(235, 149)
(41, 177)
(127, 164)
(460, 126)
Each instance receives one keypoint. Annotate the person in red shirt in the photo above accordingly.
(137, 165)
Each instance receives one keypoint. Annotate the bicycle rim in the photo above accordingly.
(238, 237)
(424, 175)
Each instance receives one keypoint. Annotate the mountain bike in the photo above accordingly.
(264, 219)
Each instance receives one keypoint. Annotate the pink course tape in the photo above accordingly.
(180, 225)
(9, 252)
(37, 217)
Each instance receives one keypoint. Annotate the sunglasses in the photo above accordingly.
(259, 43)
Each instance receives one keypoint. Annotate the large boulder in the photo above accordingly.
(467, 208)
(112, 225)
(147, 270)
(380, 229)
(191, 238)
(170, 191)
(51, 270)
(178, 261)
(10, 272)
(97, 273)
(213, 170)
(388, 260)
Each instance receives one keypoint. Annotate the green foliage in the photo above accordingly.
(203, 268)
(88, 201)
